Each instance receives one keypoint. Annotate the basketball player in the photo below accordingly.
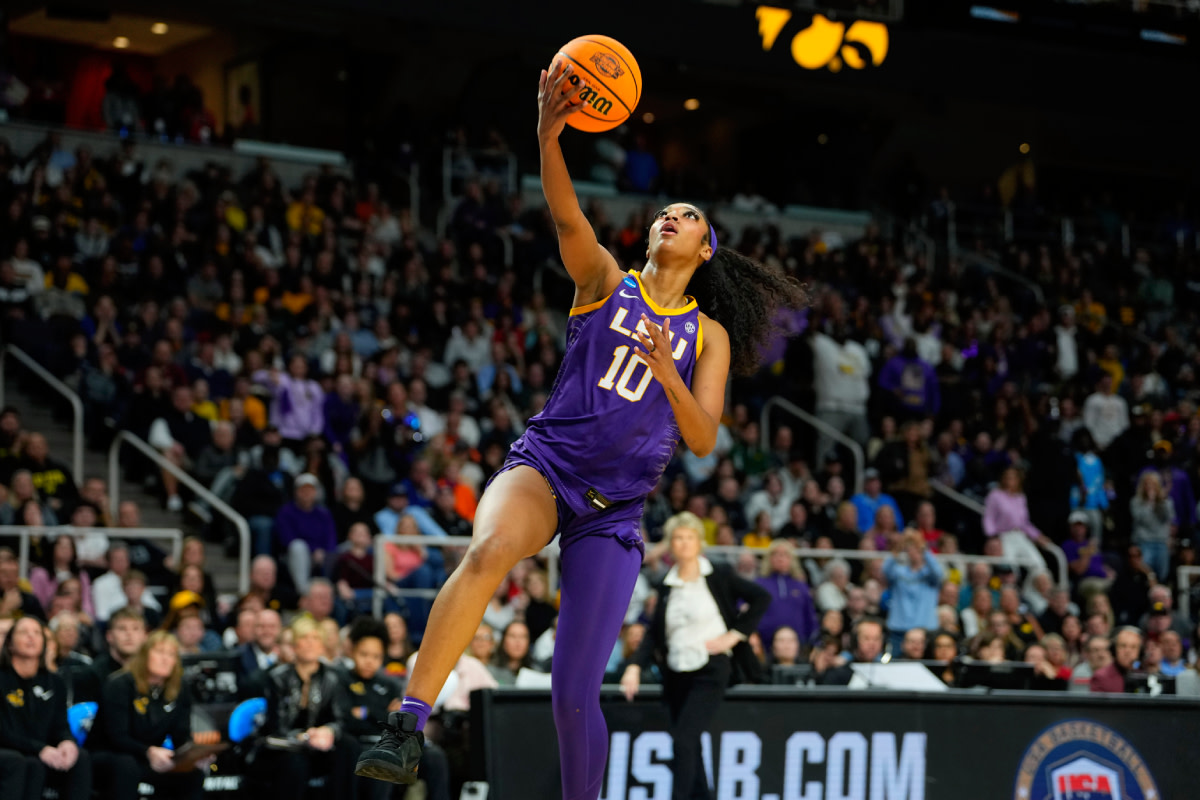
(643, 368)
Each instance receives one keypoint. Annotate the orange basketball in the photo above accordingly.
(614, 82)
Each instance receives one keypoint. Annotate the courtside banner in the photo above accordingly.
(780, 743)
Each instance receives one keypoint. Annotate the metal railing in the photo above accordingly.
(1183, 581)
(995, 267)
(870, 555)
(953, 494)
(974, 505)
(58, 386)
(860, 458)
(26, 532)
(550, 552)
(216, 503)
(484, 165)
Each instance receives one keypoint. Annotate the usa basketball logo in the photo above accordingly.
(689, 326)
(607, 64)
(1083, 760)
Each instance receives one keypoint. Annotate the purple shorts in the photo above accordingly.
(578, 516)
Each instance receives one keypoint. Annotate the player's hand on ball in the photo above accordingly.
(557, 98)
(656, 348)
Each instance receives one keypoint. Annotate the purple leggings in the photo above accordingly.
(598, 575)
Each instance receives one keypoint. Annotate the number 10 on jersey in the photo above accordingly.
(611, 381)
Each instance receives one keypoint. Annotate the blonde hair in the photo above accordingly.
(1148, 477)
(684, 519)
(141, 674)
(783, 544)
(305, 626)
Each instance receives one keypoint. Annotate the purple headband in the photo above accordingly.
(712, 238)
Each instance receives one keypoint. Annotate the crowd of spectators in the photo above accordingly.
(335, 370)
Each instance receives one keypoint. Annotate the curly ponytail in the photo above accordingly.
(743, 295)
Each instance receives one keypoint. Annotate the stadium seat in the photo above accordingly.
(246, 718)
(80, 717)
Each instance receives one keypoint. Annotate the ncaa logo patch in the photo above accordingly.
(1083, 760)
(630, 282)
(689, 326)
(607, 64)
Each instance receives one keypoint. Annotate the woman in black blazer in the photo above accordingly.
(699, 639)
(140, 708)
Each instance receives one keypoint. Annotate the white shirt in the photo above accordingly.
(30, 273)
(840, 375)
(780, 509)
(108, 596)
(432, 423)
(1068, 351)
(91, 547)
(476, 352)
(830, 597)
(1106, 416)
(692, 619)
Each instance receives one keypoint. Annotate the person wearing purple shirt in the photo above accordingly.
(911, 383)
(306, 531)
(297, 404)
(791, 601)
(341, 415)
(1006, 515)
(1088, 570)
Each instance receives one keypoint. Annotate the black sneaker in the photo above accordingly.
(396, 757)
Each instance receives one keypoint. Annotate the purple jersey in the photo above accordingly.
(608, 421)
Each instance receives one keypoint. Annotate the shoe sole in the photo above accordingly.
(380, 770)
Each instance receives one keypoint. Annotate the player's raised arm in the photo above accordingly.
(590, 265)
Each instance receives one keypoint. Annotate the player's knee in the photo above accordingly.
(492, 553)
(571, 702)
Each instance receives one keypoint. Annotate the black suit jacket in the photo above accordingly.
(729, 590)
(247, 660)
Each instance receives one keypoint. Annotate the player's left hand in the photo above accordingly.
(656, 349)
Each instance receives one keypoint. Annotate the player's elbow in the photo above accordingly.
(703, 449)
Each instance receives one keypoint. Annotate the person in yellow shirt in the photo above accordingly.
(64, 278)
(296, 301)
(1111, 363)
(202, 404)
(1091, 313)
(305, 215)
(250, 408)
(761, 535)
(229, 210)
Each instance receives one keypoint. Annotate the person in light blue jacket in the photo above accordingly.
(914, 577)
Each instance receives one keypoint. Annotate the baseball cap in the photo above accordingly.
(1164, 445)
(1078, 516)
(399, 490)
(184, 599)
(307, 479)
(870, 474)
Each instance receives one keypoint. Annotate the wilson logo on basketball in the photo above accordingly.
(608, 65)
(602, 104)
